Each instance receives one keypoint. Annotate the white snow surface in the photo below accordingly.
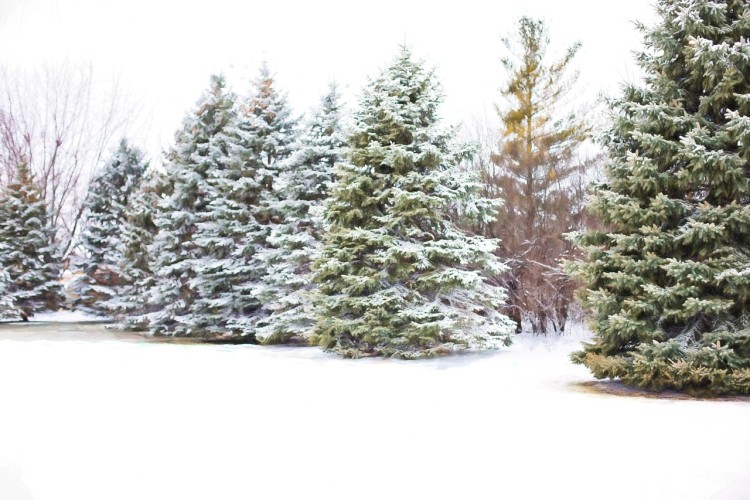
(89, 414)
(63, 316)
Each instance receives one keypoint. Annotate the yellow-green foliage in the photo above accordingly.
(720, 365)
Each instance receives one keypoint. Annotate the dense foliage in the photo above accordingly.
(29, 257)
(396, 276)
(668, 282)
(98, 279)
(200, 152)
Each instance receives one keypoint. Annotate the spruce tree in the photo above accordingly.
(239, 221)
(201, 147)
(7, 309)
(396, 276)
(29, 254)
(137, 234)
(98, 278)
(668, 283)
(294, 243)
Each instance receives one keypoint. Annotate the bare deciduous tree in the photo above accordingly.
(539, 170)
(60, 120)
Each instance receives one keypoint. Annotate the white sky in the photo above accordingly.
(164, 51)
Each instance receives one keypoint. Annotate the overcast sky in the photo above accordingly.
(164, 51)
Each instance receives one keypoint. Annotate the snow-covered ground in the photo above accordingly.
(90, 415)
(63, 316)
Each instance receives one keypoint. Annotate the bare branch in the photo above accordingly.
(62, 121)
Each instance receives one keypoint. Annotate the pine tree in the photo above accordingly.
(539, 170)
(129, 306)
(201, 147)
(294, 243)
(396, 276)
(29, 254)
(239, 221)
(7, 309)
(98, 279)
(668, 283)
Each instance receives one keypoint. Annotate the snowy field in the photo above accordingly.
(88, 414)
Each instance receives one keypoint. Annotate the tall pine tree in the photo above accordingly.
(29, 254)
(240, 219)
(396, 275)
(295, 242)
(129, 306)
(201, 147)
(98, 279)
(7, 309)
(668, 283)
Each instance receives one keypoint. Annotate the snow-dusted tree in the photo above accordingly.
(294, 243)
(129, 305)
(7, 309)
(201, 147)
(396, 276)
(668, 282)
(29, 254)
(97, 278)
(236, 225)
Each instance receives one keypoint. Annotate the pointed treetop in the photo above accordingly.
(23, 173)
(264, 83)
(264, 72)
(330, 99)
(403, 96)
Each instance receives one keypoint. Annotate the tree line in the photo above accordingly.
(97, 286)
(384, 235)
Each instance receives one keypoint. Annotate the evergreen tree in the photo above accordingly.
(238, 222)
(29, 254)
(98, 278)
(201, 147)
(129, 305)
(7, 309)
(668, 282)
(294, 243)
(396, 276)
(539, 170)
